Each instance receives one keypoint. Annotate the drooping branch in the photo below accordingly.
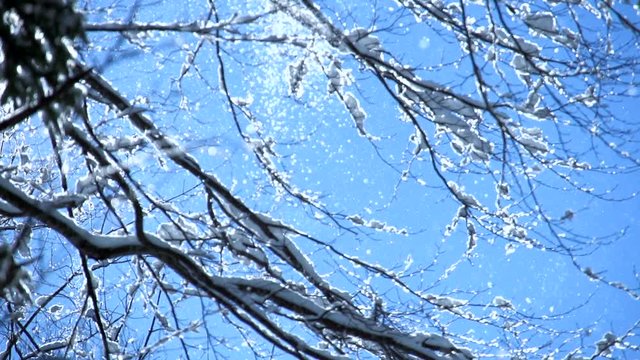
(239, 295)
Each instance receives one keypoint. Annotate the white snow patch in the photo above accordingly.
(466, 199)
(500, 301)
(542, 21)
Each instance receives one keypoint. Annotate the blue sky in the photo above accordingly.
(378, 180)
(320, 149)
